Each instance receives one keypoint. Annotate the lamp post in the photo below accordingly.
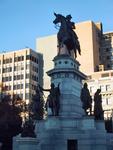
(112, 119)
(1, 85)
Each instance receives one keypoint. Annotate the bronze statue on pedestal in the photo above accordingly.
(66, 36)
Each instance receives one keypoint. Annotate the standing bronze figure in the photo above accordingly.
(98, 110)
(53, 100)
(86, 99)
(66, 36)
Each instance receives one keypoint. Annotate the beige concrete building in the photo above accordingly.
(104, 81)
(48, 47)
(20, 72)
(89, 34)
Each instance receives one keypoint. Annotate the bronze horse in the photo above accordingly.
(66, 35)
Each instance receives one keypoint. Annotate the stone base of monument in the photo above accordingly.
(25, 143)
(61, 133)
(72, 129)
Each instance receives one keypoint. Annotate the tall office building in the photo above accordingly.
(89, 35)
(106, 51)
(20, 72)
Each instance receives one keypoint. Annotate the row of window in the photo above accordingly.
(7, 61)
(33, 77)
(34, 68)
(30, 57)
(20, 58)
(103, 88)
(18, 68)
(31, 86)
(9, 69)
(6, 88)
(107, 101)
(6, 79)
(19, 86)
(18, 77)
(106, 74)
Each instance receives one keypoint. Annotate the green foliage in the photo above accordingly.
(10, 120)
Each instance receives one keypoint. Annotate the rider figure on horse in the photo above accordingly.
(66, 36)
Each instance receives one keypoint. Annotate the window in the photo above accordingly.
(22, 67)
(14, 87)
(108, 57)
(22, 58)
(22, 76)
(27, 96)
(4, 70)
(19, 58)
(21, 86)
(108, 65)
(105, 75)
(6, 78)
(15, 59)
(91, 89)
(102, 87)
(37, 61)
(10, 60)
(27, 66)
(18, 77)
(107, 49)
(32, 58)
(18, 86)
(10, 69)
(27, 57)
(10, 78)
(27, 85)
(107, 87)
(14, 77)
(110, 101)
(4, 61)
(9, 87)
(104, 101)
(27, 76)
(15, 68)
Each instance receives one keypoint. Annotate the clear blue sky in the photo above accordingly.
(22, 21)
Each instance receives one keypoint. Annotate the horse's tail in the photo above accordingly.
(78, 47)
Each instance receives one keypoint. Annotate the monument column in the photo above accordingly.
(66, 73)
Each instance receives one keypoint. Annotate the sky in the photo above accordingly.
(22, 21)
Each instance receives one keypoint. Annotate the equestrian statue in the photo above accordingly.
(66, 35)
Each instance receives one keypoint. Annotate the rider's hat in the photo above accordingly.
(68, 17)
